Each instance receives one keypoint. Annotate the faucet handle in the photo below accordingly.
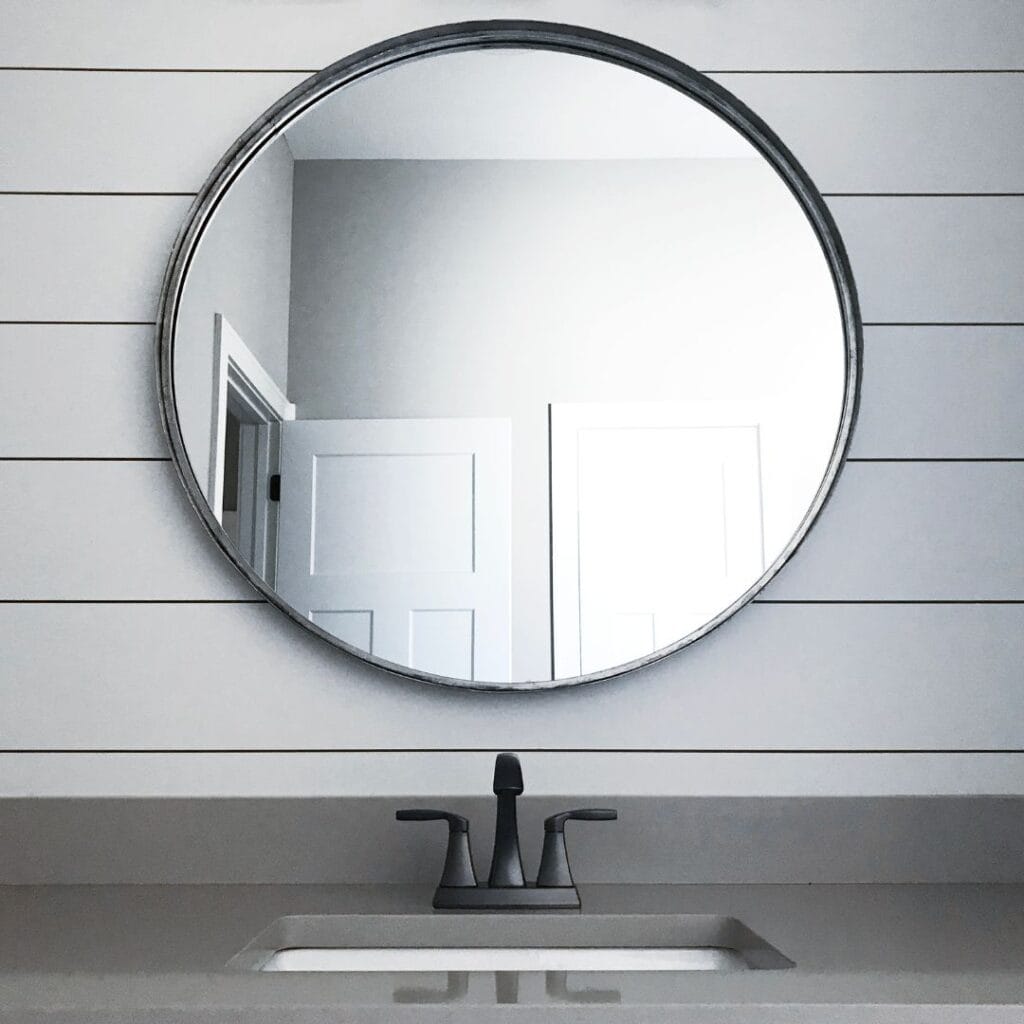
(554, 861)
(458, 862)
(456, 822)
(556, 823)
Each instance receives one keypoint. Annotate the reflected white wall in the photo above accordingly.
(243, 270)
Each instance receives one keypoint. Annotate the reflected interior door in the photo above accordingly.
(656, 525)
(395, 537)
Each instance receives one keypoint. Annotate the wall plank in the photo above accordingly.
(165, 132)
(935, 259)
(892, 531)
(914, 531)
(78, 391)
(941, 392)
(157, 133)
(741, 34)
(896, 133)
(98, 258)
(928, 392)
(109, 531)
(820, 677)
(915, 259)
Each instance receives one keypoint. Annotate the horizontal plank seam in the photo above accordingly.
(91, 192)
(942, 323)
(756, 600)
(82, 69)
(132, 600)
(85, 458)
(77, 323)
(996, 324)
(922, 195)
(864, 71)
(171, 71)
(888, 600)
(935, 458)
(160, 194)
(524, 750)
(866, 323)
(982, 459)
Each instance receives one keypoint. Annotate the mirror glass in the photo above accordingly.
(509, 366)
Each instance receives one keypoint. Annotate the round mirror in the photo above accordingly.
(509, 355)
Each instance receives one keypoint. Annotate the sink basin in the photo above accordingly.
(468, 943)
(522, 958)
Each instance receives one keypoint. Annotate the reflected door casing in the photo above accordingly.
(656, 524)
(395, 537)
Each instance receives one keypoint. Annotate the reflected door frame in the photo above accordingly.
(243, 386)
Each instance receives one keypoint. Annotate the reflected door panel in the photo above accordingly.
(395, 537)
(656, 524)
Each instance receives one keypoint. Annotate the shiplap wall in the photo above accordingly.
(897, 629)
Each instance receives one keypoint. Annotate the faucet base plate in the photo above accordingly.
(526, 897)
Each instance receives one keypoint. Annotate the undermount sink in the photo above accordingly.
(523, 958)
(453, 944)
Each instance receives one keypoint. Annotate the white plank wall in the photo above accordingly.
(941, 132)
(741, 34)
(776, 677)
(897, 630)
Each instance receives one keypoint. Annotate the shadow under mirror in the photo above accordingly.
(510, 365)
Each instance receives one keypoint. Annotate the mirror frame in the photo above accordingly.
(504, 34)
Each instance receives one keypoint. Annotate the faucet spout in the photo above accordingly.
(507, 862)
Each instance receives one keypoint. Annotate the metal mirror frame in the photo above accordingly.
(504, 34)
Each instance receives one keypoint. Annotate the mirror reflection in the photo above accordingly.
(509, 365)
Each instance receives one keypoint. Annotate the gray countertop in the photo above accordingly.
(916, 953)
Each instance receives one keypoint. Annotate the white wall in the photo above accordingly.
(897, 627)
(243, 271)
(457, 288)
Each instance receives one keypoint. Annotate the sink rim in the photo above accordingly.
(516, 959)
(503, 931)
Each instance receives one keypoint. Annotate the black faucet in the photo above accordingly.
(506, 861)
(506, 888)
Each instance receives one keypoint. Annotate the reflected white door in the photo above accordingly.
(395, 537)
(656, 525)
